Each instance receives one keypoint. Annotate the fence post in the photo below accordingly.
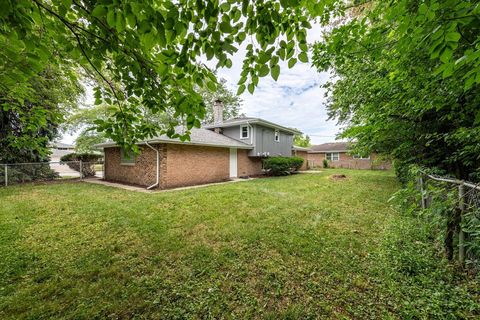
(422, 191)
(6, 175)
(81, 170)
(461, 234)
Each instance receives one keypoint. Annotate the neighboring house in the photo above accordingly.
(216, 152)
(301, 152)
(338, 156)
(60, 149)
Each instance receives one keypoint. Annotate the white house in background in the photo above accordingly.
(60, 149)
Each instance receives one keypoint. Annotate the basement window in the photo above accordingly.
(332, 156)
(277, 135)
(244, 132)
(127, 158)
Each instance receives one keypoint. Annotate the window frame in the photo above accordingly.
(125, 160)
(332, 158)
(359, 157)
(241, 132)
(276, 135)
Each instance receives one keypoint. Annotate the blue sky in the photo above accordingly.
(294, 100)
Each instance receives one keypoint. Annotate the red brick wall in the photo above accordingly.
(186, 165)
(143, 172)
(248, 166)
(180, 165)
(304, 155)
(347, 161)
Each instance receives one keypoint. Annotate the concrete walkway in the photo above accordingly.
(144, 189)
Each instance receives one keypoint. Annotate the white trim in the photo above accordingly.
(241, 132)
(233, 164)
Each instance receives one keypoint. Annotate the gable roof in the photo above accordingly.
(330, 147)
(249, 120)
(198, 136)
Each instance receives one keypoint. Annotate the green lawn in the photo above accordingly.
(302, 246)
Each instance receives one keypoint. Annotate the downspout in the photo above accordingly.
(158, 165)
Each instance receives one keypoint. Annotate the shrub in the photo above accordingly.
(325, 163)
(88, 162)
(280, 166)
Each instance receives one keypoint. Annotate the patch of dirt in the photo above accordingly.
(337, 177)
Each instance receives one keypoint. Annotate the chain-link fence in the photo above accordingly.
(460, 202)
(18, 173)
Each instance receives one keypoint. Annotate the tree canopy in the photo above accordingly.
(146, 54)
(30, 122)
(83, 120)
(407, 77)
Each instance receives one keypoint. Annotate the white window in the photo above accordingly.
(277, 135)
(127, 158)
(357, 156)
(244, 132)
(332, 156)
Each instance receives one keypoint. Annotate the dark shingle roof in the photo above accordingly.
(203, 137)
(331, 146)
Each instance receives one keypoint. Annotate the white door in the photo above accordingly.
(233, 163)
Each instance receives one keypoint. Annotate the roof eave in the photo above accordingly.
(326, 151)
(112, 144)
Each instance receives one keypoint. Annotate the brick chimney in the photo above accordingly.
(217, 114)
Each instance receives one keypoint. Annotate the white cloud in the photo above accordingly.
(295, 100)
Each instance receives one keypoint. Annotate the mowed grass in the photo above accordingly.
(302, 246)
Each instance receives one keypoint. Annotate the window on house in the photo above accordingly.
(277, 135)
(244, 132)
(357, 156)
(127, 157)
(332, 156)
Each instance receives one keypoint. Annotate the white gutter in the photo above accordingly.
(158, 166)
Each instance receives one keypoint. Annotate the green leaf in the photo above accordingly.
(452, 36)
(225, 27)
(241, 89)
(251, 88)
(292, 62)
(303, 57)
(264, 70)
(275, 72)
(99, 11)
(111, 18)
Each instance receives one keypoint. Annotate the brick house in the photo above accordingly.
(216, 152)
(338, 156)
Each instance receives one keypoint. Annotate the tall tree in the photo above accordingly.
(151, 49)
(407, 81)
(301, 141)
(29, 122)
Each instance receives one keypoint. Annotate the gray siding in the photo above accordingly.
(265, 143)
(263, 139)
(234, 132)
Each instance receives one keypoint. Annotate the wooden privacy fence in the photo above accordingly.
(468, 199)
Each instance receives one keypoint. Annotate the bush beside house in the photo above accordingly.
(281, 166)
